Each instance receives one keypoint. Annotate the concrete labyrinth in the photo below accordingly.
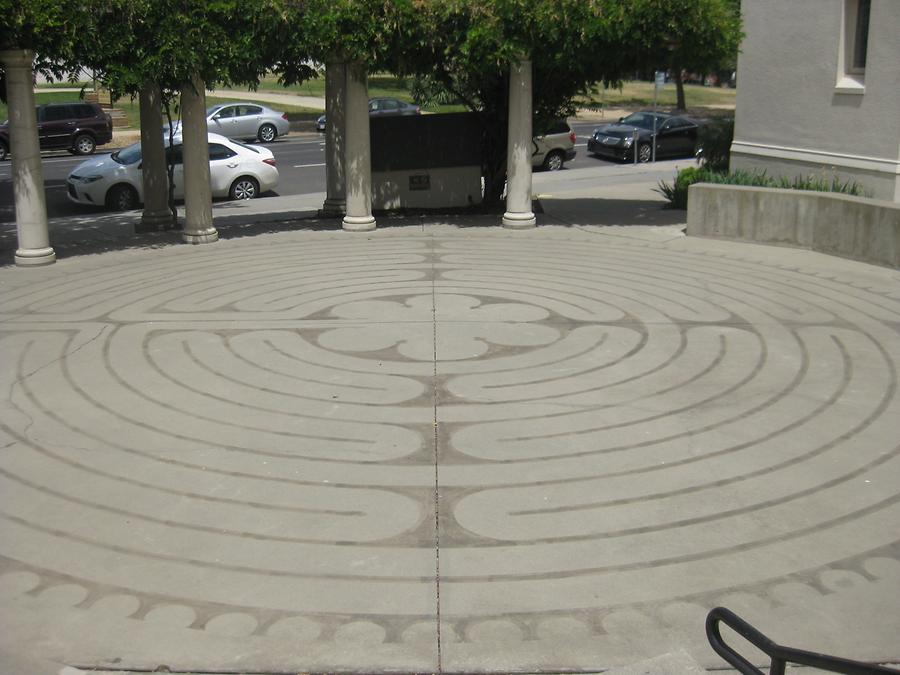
(446, 451)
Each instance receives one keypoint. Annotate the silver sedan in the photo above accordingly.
(245, 122)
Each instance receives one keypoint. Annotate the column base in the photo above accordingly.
(333, 208)
(154, 222)
(519, 221)
(358, 223)
(202, 237)
(32, 257)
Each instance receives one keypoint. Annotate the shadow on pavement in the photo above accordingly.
(93, 234)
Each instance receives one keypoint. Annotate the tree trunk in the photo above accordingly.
(493, 137)
(156, 214)
(679, 89)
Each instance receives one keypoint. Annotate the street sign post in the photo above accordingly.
(659, 81)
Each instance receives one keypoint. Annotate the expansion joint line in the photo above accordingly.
(437, 498)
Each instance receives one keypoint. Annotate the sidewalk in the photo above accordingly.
(443, 446)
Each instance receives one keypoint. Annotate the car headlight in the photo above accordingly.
(628, 141)
(91, 179)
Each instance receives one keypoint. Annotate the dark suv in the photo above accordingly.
(77, 127)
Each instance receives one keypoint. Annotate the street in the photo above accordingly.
(301, 165)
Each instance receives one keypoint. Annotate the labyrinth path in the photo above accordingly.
(327, 452)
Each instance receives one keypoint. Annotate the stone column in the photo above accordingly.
(27, 172)
(198, 225)
(156, 215)
(335, 130)
(357, 153)
(518, 158)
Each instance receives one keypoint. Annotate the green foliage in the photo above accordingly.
(714, 140)
(694, 35)
(677, 192)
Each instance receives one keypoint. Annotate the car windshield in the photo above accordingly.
(244, 145)
(642, 120)
(129, 155)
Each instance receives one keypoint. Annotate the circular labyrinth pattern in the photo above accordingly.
(248, 440)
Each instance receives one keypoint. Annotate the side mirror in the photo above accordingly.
(621, 119)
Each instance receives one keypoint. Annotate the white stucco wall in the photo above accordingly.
(792, 119)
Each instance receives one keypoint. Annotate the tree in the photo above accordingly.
(465, 48)
(171, 42)
(679, 35)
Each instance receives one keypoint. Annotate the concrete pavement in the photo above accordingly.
(444, 446)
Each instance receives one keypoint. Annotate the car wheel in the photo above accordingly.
(645, 153)
(3, 151)
(267, 133)
(122, 198)
(84, 145)
(244, 188)
(553, 161)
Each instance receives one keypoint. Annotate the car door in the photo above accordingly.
(389, 106)
(677, 138)
(224, 167)
(223, 121)
(55, 126)
(174, 154)
(247, 121)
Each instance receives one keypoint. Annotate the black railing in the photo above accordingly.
(780, 656)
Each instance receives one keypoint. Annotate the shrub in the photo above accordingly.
(714, 141)
(677, 193)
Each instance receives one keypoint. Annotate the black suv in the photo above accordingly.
(77, 127)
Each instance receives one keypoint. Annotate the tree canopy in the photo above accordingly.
(677, 35)
(460, 48)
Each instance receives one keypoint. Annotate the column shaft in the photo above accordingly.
(357, 153)
(27, 172)
(335, 130)
(198, 225)
(156, 215)
(518, 159)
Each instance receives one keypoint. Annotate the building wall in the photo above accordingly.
(795, 116)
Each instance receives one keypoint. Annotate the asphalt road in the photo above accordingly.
(301, 164)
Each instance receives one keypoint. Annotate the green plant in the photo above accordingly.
(677, 192)
(714, 141)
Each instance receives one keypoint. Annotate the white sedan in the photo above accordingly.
(236, 171)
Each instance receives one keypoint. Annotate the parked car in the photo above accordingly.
(675, 137)
(244, 121)
(382, 107)
(236, 171)
(77, 127)
(557, 146)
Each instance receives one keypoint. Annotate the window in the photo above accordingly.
(55, 113)
(225, 113)
(173, 155)
(82, 111)
(861, 37)
(854, 47)
(219, 151)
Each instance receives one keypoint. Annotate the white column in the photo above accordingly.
(518, 155)
(335, 130)
(357, 153)
(156, 215)
(198, 225)
(27, 172)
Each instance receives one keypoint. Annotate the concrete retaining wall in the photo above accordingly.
(852, 227)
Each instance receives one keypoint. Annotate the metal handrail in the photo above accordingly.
(779, 654)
